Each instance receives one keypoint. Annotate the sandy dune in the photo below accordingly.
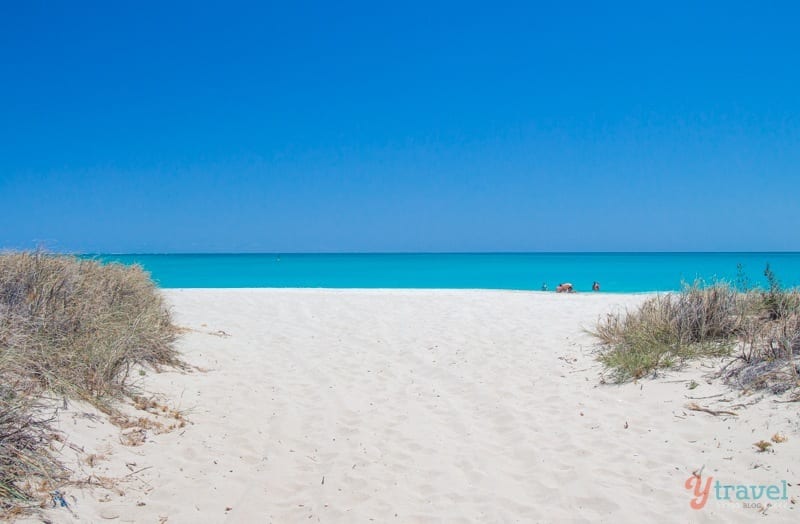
(422, 406)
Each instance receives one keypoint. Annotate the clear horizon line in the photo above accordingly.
(276, 253)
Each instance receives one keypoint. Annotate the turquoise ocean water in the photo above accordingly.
(616, 272)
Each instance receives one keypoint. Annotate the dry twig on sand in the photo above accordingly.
(695, 407)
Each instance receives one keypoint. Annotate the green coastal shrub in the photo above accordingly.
(709, 321)
(777, 302)
(668, 329)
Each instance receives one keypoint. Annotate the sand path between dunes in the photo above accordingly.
(426, 406)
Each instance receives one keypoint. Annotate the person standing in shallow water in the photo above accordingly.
(595, 286)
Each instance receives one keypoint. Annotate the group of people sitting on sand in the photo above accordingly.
(566, 287)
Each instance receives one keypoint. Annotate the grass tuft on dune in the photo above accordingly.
(76, 328)
(709, 321)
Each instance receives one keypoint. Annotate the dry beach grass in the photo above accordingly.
(75, 328)
(709, 321)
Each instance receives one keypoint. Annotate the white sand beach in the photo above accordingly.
(420, 406)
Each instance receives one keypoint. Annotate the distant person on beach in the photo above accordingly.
(544, 286)
(596, 286)
(565, 287)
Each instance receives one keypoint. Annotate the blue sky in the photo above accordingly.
(199, 127)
